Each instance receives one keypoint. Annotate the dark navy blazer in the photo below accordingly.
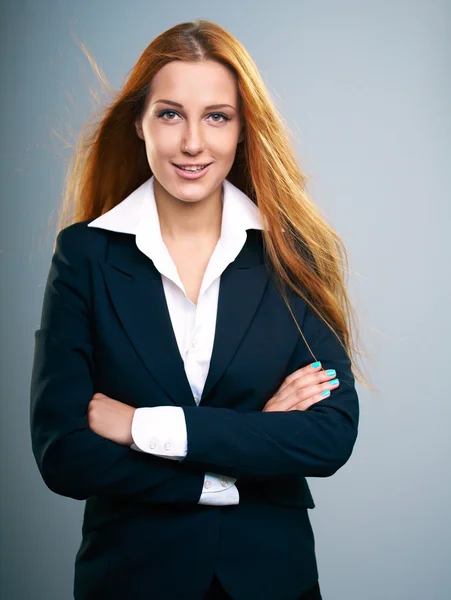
(106, 328)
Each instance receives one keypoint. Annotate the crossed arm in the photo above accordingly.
(160, 431)
(76, 461)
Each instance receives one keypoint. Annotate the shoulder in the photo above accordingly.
(78, 241)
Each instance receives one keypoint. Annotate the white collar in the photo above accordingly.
(239, 211)
(137, 214)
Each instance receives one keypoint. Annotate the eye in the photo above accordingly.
(224, 117)
(164, 112)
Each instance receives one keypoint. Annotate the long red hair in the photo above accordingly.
(304, 252)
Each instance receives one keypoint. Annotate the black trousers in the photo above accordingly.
(217, 592)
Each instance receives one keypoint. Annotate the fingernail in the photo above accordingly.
(333, 381)
(325, 393)
(331, 372)
(315, 365)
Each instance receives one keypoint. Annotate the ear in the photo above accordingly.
(139, 130)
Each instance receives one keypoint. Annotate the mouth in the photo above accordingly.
(191, 173)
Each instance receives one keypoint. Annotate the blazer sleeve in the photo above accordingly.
(73, 460)
(263, 445)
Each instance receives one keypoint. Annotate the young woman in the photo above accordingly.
(193, 361)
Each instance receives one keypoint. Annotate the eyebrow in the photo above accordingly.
(210, 107)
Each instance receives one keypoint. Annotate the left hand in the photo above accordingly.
(111, 419)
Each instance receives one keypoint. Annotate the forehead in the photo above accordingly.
(205, 82)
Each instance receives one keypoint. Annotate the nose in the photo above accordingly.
(192, 141)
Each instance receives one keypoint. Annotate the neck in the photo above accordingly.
(187, 220)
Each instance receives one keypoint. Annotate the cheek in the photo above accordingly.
(158, 145)
(224, 145)
(159, 140)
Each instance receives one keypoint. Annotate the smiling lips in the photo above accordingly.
(191, 171)
(191, 167)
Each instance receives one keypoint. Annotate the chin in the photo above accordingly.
(191, 191)
(184, 194)
(189, 200)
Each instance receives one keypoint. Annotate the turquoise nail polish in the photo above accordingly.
(333, 381)
(316, 364)
(331, 372)
(325, 393)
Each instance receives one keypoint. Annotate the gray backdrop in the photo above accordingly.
(365, 89)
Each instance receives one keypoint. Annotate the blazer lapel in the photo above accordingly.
(137, 293)
(241, 289)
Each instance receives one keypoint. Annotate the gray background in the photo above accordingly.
(365, 89)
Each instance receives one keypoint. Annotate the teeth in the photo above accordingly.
(192, 168)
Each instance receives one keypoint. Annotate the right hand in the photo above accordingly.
(301, 389)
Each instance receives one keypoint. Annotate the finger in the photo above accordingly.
(309, 402)
(304, 394)
(302, 372)
(308, 383)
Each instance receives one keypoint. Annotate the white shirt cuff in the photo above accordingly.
(219, 490)
(160, 430)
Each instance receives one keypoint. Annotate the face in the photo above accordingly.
(191, 118)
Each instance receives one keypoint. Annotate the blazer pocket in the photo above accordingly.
(291, 490)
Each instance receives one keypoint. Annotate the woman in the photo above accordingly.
(193, 361)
